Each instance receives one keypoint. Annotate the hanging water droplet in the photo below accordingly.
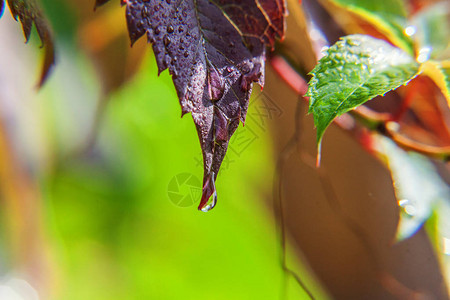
(211, 205)
(209, 189)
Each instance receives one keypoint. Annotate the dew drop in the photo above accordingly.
(170, 29)
(410, 30)
(166, 40)
(407, 207)
(208, 189)
(145, 12)
(211, 205)
(424, 54)
(167, 59)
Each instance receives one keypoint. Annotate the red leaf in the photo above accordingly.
(214, 50)
(28, 12)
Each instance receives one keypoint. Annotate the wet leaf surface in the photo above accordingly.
(214, 51)
(354, 70)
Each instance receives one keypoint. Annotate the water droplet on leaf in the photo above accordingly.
(166, 40)
(407, 207)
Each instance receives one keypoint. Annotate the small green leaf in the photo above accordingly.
(388, 16)
(354, 70)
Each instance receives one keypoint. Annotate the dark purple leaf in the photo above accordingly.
(214, 50)
(28, 12)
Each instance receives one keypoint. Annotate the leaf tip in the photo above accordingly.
(48, 64)
(209, 189)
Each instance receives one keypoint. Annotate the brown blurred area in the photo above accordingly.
(345, 224)
(342, 218)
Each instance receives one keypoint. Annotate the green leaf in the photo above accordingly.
(418, 187)
(388, 16)
(354, 70)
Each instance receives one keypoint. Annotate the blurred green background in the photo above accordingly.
(90, 214)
